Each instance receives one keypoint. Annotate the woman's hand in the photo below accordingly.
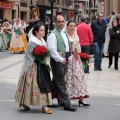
(75, 53)
(46, 61)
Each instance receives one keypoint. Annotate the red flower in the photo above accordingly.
(34, 94)
(19, 89)
(84, 56)
(41, 52)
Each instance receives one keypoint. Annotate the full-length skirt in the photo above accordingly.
(28, 91)
(18, 43)
(75, 83)
(3, 44)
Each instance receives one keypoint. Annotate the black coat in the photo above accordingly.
(99, 30)
(114, 44)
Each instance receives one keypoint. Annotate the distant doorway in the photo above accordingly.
(13, 14)
(1, 14)
(23, 15)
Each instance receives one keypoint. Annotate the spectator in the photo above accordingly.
(114, 44)
(85, 37)
(99, 28)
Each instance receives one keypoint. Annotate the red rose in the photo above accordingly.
(84, 56)
(41, 52)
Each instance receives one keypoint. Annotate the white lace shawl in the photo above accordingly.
(29, 58)
(76, 43)
(19, 26)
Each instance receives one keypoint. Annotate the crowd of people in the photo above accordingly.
(65, 42)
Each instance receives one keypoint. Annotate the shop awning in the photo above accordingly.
(6, 5)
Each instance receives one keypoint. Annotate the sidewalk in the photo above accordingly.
(100, 83)
(105, 82)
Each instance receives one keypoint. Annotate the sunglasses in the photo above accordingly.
(100, 16)
(60, 21)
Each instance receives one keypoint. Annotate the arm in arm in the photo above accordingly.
(52, 46)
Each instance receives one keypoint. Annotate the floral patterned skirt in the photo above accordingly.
(28, 91)
(75, 83)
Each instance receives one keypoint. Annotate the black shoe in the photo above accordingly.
(84, 104)
(70, 109)
(86, 72)
(60, 104)
(100, 69)
(95, 68)
(21, 52)
(116, 68)
(53, 106)
(109, 66)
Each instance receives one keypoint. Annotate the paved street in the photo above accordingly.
(103, 86)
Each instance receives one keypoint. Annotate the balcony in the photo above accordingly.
(83, 0)
(12, 0)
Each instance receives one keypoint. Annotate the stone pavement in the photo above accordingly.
(100, 83)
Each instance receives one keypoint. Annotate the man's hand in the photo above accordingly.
(60, 53)
(64, 61)
(69, 60)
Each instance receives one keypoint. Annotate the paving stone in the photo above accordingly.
(100, 83)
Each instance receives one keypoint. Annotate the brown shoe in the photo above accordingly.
(46, 111)
(26, 108)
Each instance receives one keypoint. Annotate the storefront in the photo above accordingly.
(5, 9)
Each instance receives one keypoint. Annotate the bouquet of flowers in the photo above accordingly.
(40, 53)
(85, 59)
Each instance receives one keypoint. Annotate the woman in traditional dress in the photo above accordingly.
(7, 34)
(18, 41)
(75, 83)
(1, 38)
(34, 87)
(5, 40)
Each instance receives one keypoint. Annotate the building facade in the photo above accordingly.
(63, 7)
(70, 9)
(112, 5)
(12, 9)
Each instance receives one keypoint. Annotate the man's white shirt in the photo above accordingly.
(52, 45)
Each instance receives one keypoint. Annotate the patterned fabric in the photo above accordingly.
(3, 43)
(9, 36)
(28, 92)
(18, 43)
(75, 82)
